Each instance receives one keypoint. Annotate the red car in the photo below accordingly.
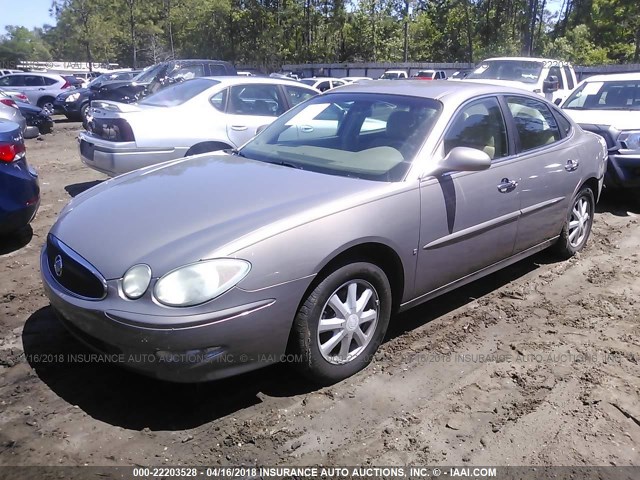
(430, 75)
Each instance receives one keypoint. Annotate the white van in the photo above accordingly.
(552, 79)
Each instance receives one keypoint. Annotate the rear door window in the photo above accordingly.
(33, 81)
(536, 125)
(255, 99)
(298, 95)
(217, 69)
(187, 72)
(479, 125)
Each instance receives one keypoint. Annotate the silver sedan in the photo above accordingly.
(303, 244)
(196, 116)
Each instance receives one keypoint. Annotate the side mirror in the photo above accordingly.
(550, 85)
(462, 159)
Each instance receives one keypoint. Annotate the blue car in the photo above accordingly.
(19, 189)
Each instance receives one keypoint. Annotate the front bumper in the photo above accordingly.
(183, 347)
(116, 158)
(623, 171)
(60, 107)
(14, 221)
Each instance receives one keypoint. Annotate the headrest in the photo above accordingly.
(400, 124)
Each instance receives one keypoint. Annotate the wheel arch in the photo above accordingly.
(375, 252)
(592, 183)
(43, 99)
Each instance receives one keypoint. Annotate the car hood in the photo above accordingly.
(182, 211)
(620, 119)
(115, 84)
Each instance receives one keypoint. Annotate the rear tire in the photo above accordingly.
(342, 322)
(46, 103)
(577, 226)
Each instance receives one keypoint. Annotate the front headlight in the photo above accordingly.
(630, 140)
(200, 282)
(72, 98)
(136, 281)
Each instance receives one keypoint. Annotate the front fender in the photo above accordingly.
(303, 251)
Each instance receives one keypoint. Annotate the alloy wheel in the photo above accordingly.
(348, 321)
(579, 221)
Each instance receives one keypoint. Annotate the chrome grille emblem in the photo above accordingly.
(57, 266)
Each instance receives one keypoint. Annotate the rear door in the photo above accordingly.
(250, 107)
(553, 163)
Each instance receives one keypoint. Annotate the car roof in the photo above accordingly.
(526, 59)
(614, 77)
(241, 80)
(438, 89)
(56, 76)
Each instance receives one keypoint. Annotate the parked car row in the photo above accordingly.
(319, 216)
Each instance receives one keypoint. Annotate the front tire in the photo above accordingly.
(577, 227)
(342, 322)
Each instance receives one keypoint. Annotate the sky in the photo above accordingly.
(26, 13)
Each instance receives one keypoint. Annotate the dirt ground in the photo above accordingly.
(535, 365)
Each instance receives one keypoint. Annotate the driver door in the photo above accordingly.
(469, 219)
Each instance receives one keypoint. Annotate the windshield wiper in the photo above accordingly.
(284, 163)
(235, 151)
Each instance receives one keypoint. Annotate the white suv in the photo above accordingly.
(552, 79)
(40, 88)
(609, 105)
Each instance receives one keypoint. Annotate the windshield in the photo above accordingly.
(179, 93)
(309, 81)
(426, 74)
(368, 136)
(610, 95)
(106, 77)
(512, 70)
(146, 76)
(390, 75)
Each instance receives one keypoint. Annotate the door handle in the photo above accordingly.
(507, 185)
(306, 129)
(41, 88)
(572, 165)
(239, 128)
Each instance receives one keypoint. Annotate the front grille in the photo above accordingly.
(73, 272)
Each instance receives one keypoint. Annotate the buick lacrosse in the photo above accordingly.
(352, 206)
